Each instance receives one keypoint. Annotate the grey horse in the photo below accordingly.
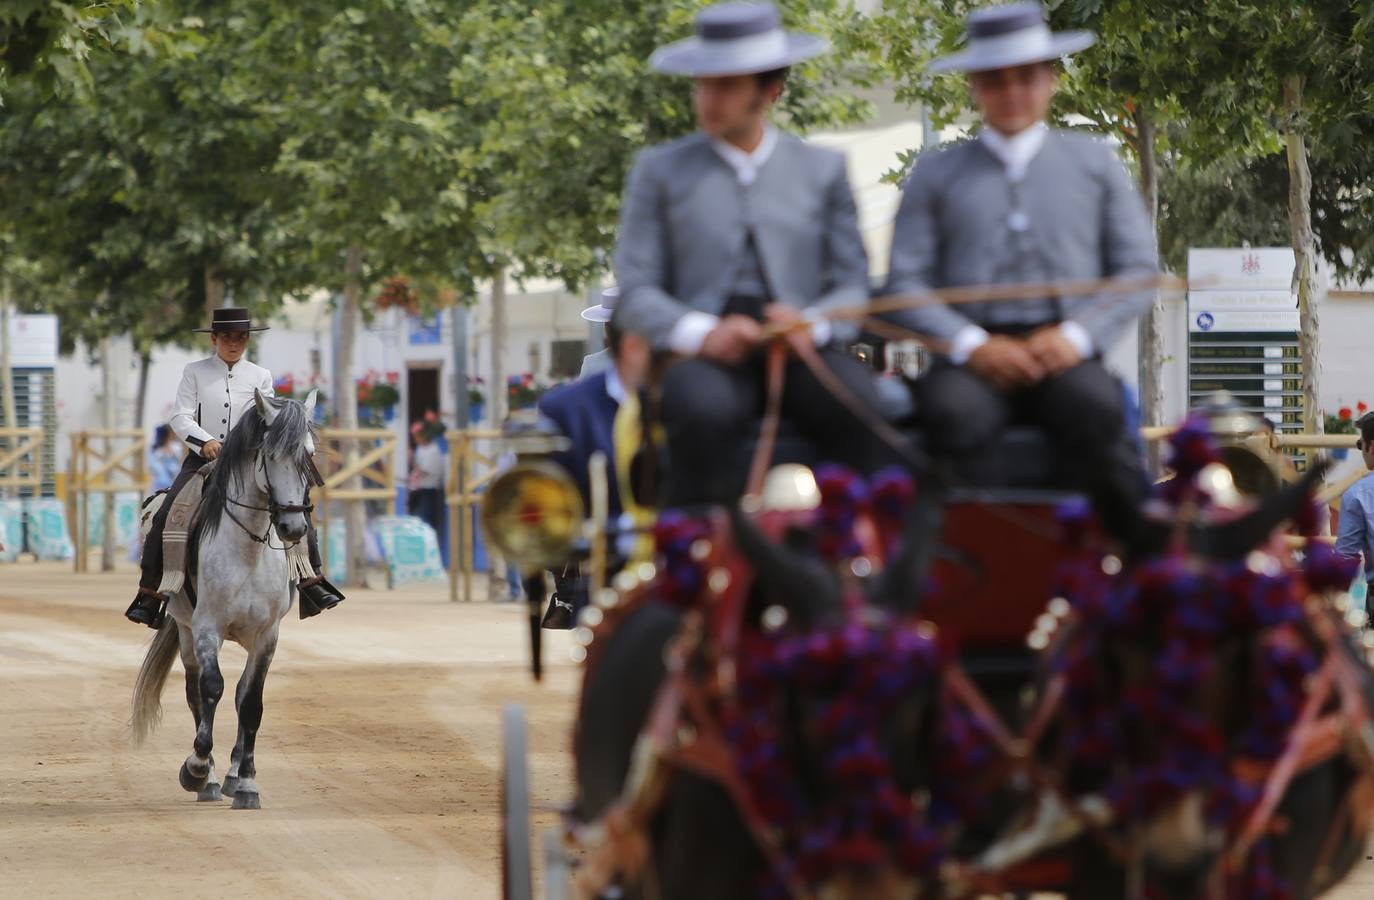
(253, 509)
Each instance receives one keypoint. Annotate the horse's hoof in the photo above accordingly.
(245, 800)
(191, 782)
(231, 785)
(209, 793)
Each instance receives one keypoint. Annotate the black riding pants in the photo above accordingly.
(711, 412)
(1082, 411)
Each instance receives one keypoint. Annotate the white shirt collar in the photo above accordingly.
(615, 388)
(747, 165)
(1015, 151)
(221, 364)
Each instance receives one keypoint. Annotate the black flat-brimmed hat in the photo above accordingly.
(737, 39)
(231, 318)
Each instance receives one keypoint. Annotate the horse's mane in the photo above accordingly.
(250, 436)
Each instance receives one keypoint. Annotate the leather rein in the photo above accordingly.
(273, 509)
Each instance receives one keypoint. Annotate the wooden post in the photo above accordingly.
(458, 443)
(82, 505)
(464, 479)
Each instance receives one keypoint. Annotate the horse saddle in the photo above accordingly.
(178, 531)
(181, 521)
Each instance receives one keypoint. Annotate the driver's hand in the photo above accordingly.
(1006, 363)
(731, 341)
(789, 318)
(1055, 352)
(210, 449)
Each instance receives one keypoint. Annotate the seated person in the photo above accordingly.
(736, 225)
(599, 361)
(1022, 203)
(219, 385)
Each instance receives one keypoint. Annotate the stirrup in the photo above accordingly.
(157, 616)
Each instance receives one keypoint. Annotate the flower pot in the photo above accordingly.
(1340, 453)
(475, 412)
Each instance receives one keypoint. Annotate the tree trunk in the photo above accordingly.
(145, 362)
(499, 390)
(11, 419)
(1304, 253)
(108, 421)
(214, 292)
(346, 411)
(1150, 342)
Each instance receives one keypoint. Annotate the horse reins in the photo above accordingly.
(273, 508)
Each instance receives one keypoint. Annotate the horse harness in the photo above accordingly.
(273, 508)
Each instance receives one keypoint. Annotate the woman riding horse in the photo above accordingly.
(221, 385)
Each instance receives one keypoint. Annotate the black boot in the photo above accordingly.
(317, 595)
(149, 608)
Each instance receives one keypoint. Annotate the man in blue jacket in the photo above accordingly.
(585, 411)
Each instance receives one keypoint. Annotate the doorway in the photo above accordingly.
(422, 391)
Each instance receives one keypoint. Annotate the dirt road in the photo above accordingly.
(377, 759)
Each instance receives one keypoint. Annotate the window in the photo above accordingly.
(566, 358)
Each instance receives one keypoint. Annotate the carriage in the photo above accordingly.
(851, 688)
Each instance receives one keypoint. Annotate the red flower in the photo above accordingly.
(393, 377)
(1362, 407)
(1345, 413)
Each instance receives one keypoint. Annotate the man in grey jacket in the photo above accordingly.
(1022, 203)
(731, 227)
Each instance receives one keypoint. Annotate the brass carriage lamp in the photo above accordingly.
(533, 511)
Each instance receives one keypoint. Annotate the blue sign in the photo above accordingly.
(425, 330)
(1206, 321)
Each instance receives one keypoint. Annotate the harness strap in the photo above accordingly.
(768, 439)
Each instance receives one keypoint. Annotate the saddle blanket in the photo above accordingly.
(182, 519)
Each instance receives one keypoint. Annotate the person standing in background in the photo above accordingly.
(164, 458)
(426, 482)
(1355, 537)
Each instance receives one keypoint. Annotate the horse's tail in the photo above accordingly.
(152, 676)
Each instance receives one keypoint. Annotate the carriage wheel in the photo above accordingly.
(516, 865)
(557, 872)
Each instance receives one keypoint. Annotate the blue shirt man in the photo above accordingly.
(1356, 537)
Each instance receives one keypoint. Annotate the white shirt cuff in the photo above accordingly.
(1078, 336)
(689, 332)
(966, 340)
(821, 332)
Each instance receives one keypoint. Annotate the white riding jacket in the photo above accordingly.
(213, 397)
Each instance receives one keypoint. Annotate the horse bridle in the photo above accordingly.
(273, 508)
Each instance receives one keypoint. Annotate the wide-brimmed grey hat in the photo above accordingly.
(737, 39)
(606, 309)
(1000, 37)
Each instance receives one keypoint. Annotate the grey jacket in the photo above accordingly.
(684, 221)
(1082, 217)
(594, 363)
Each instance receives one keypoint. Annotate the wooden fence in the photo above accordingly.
(106, 462)
(472, 465)
(364, 456)
(21, 460)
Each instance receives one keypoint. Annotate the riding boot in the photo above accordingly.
(149, 608)
(317, 594)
